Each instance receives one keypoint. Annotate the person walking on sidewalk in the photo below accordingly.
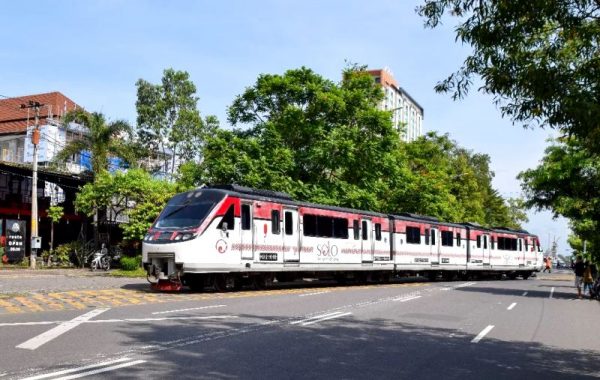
(588, 280)
(579, 269)
(548, 267)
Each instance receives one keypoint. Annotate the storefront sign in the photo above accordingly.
(15, 240)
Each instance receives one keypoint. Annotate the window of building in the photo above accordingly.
(377, 231)
(228, 218)
(356, 229)
(275, 222)
(246, 217)
(413, 235)
(289, 223)
(447, 238)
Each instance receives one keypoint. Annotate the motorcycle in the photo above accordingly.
(100, 259)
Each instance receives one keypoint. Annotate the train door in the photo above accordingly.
(291, 252)
(434, 250)
(366, 241)
(247, 232)
(486, 249)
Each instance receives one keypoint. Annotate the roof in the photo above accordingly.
(14, 119)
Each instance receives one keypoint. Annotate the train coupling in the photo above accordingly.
(161, 282)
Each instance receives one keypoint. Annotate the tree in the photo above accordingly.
(133, 195)
(539, 59)
(55, 213)
(102, 140)
(567, 182)
(169, 123)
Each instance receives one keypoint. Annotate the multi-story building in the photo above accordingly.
(17, 124)
(407, 114)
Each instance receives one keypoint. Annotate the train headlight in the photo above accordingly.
(187, 236)
(148, 237)
(178, 237)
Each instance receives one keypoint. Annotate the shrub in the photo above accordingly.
(131, 263)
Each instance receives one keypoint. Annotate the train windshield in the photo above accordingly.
(187, 210)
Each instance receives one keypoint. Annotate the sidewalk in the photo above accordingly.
(23, 280)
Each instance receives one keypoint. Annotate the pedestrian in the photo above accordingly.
(548, 267)
(588, 280)
(579, 268)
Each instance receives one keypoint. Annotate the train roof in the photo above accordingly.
(423, 219)
(283, 198)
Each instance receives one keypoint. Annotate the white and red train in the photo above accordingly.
(225, 236)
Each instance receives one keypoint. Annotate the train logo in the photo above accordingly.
(221, 246)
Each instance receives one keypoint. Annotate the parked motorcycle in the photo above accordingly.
(100, 259)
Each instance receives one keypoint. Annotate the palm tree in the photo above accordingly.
(103, 140)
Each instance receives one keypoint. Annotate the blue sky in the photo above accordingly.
(95, 51)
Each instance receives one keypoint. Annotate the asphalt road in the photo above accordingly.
(444, 330)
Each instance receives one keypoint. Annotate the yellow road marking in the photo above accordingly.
(48, 301)
(63, 297)
(11, 308)
(28, 304)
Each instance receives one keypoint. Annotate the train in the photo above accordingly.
(229, 236)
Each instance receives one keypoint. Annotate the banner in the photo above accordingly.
(15, 239)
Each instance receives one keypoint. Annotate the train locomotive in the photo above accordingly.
(227, 236)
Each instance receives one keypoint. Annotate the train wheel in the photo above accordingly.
(526, 275)
(262, 281)
(512, 275)
(195, 282)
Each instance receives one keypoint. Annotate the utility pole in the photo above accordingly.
(35, 140)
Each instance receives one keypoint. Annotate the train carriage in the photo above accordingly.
(225, 236)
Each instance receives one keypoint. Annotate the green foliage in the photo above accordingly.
(61, 255)
(102, 141)
(131, 263)
(539, 59)
(329, 143)
(567, 182)
(168, 119)
(134, 193)
(55, 213)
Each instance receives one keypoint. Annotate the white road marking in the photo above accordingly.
(512, 305)
(161, 319)
(120, 320)
(551, 292)
(100, 370)
(41, 339)
(482, 334)
(445, 288)
(315, 317)
(67, 371)
(325, 319)
(463, 285)
(190, 309)
(404, 299)
(524, 294)
(314, 294)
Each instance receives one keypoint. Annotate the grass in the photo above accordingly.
(139, 272)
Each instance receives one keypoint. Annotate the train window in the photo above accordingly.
(340, 228)
(479, 241)
(289, 223)
(324, 226)
(433, 237)
(458, 239)
(228, 218)
(447, 238)
(246, 218)
(485, 239)
(513, 244)
(310, 225)
(520, 245)
(413, 235)
(377, 231)
(492, 242)
(527, 245)
(275, 222)
(365, 230)
(356, 230)
(427, 236)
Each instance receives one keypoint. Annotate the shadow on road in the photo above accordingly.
(346, 348)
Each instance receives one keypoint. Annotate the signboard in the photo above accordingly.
(15, 239)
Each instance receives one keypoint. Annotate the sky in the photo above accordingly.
(95, 51)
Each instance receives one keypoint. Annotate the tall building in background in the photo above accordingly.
(407, 114)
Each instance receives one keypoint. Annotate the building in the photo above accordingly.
(407, 114)
(54, 186)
